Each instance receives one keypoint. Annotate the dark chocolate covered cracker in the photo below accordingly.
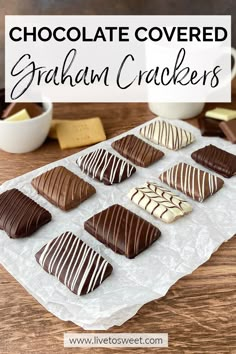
(137, 151)
(76, 265)
(216, 159)
(123, 231)
(105, 167)
(20, 216)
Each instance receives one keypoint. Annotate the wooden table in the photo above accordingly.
(199, 311)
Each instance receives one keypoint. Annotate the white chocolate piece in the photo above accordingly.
(221, 114)
(159, 202)
(168, 135)
(19, 116)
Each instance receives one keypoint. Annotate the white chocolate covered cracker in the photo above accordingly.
(159, 202)
(170, 136)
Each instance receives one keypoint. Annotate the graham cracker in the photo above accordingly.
(79, 133)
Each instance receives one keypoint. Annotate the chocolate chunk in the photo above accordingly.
(76, 265)
(221, 114)
(123, 231)
(167, 135)
(137, 151)
(229, 129)
(216, 159)
(33, 109)
(192, 181)
(159, 202)
(105, 167)
(63, 188)
(20, 216)
(210, 127)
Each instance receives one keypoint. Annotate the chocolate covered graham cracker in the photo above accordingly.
(63, 188)
(105, 167)
(216, 159)
(20, 216)
(168, 135)
(123, 231)
(192, 181)
(137, 151)
(76, 265)
(159, 202)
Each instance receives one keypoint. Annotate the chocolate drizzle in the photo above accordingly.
(63, 188)
(105, 167)
(167, 135)
(20, 216)
(74, 263)
(159, 202)
(137, 151)
(193, 182)
(216, 159)
(121, 230)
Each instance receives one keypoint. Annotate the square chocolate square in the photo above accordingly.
(210, 127)
(192, 181)
(105, 167)
(123, 231)
(137, 151)
(216, 159)
(76, 265)
(20, 216)
(229, 130)
(63, 188)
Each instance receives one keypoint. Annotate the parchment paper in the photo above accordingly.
(183, 246)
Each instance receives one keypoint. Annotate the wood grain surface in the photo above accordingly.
(199, 311)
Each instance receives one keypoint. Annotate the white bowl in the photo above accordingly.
(27, 135)
(176, 110)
